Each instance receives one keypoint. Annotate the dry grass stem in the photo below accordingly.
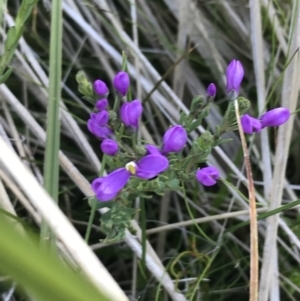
(254, 256)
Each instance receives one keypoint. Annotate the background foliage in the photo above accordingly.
(175, 49)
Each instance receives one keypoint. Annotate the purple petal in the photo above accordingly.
(234, 76)
(106, 188)
(250, 125)
(152, 149)
(101, 104)
(150, 166)
(131, 112)
(101, 132)
(100, 87)
(211, 90)
(207, 176)
(174, 139)
(275, 117)
(101, 118)
(109, 147)
(122, 82)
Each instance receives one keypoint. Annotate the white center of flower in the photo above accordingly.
(131, 167)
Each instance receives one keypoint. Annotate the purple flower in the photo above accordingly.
(275, 117)
(152, 149)
(109, 147)
(106, 188)
(207, 176)
(234, 76)
(250, 125)
(100, 118)
(150, 166)
(97, 124)
(100, 87)
(131, 112)
(211, 90)
(101, 104)
(122, 82)
(174, 139)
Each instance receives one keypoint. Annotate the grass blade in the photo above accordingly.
(20, 256)
(51, 171)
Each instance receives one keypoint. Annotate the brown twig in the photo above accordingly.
(252, 213)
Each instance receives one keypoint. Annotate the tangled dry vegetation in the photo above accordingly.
(174, 49)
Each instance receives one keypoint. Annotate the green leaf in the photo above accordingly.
(205, 141)
(50, 279)
(183, 118)
(110, 161)
(115, 221)
(197, 101)
(14, 34)
(265, 215)
(221, 141)
(6, 75)
(199, 119)
(11, 39)
(174, 184)
(24, 12)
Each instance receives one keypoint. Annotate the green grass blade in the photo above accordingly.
(51, 171)
(38, 271)
(14, 34)
(265, 215)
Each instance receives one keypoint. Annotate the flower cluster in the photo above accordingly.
(147, 162)
(272, 118)
(130, 112)
(155, 159)
(139, 169)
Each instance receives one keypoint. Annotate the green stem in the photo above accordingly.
(116, 103)
(192, 217)
(208, 265)
(102, 165)
(143, 228)
(134, 140)
(94, 205)
(51, 170)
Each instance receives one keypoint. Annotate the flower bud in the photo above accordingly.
(234, 77)
(101, 104)
(131, 112)
(109, 147)
(97, 124)
(101, 132)
(250, 125)
(205, 141)
(100, 118)
(196, 103)
(211, 90)
(122, 82)
(207, 176)
(100, 87)
(275, 117)
(174, 139)
(84, 85)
